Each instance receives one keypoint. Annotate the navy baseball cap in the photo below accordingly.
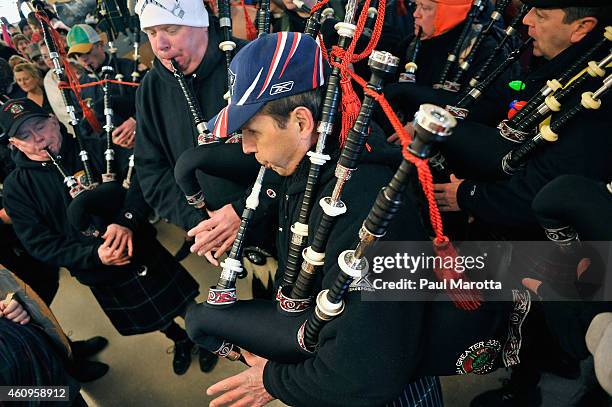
(271, 67)
(15, 112)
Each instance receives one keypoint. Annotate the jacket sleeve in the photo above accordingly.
(356, 365)
(156, 174)
(40, 239)
(509, 201)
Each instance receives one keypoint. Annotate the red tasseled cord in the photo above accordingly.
(350, 102)
(73, 79)
(468, 300)
(251, 30)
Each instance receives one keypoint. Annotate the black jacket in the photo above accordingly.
(123, 97)
(431, 60)
(335, 375)
(165, 130)
(36, 200)
(584, 148)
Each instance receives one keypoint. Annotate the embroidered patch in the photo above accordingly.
(480, 358)
(270, 192)
(16, 108)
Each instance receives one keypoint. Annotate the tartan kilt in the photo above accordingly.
(142, 304)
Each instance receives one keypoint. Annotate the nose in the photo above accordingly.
(528, 19)
(161, 42)
(248, 145)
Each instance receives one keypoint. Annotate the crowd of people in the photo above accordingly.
(91, 159)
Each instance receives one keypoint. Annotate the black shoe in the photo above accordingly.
(208, 360)
(182, 356)
(89, 347)
(183, 251)
(509, 395)
(87, 370)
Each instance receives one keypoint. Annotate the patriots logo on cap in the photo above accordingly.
(232, 80)
(16, 108)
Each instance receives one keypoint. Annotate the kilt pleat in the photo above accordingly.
(141, 304)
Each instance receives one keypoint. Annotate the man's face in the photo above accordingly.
(44, 52)
(187, 45)
(551, 35)
(424, 17)
(36, 134)
(94, 58)
(274, 147)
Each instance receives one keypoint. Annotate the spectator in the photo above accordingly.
(37, 59)
(30, 81)
(8, 87)
(25, 28)
(21, 43)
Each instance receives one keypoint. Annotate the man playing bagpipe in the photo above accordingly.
(445, 30)
(277, 110)
(563, 32)
(562, 129)
(99, 232)
(87, 47)
(180, 33)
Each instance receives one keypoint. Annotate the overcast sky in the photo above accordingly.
(8, 9)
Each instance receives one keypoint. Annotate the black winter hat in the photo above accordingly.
(15, 112)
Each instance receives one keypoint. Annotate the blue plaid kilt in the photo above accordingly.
(140, 304)
(423, 392)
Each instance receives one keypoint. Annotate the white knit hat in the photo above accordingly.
(177, 12)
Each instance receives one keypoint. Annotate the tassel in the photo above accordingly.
(468, 300)
(350, 107)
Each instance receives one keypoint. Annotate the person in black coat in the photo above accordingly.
(279, 128)
(166, 129)
(102, 235)
(86, 45)
(442, 23)
(583, 147)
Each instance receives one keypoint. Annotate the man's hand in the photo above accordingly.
(117, 248)
(244, 389)
(394, 138)
(446, 195)
(125, 134)
(4, 217)
(12, 310)
(217, 233)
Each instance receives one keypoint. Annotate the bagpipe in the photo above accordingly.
(90, 199)
(484, 78)
(460, 97)
(54, 54)
(409, 75)
(516, 129)
(453, 57)
(287, 330)
(518, 139)
(549, 133)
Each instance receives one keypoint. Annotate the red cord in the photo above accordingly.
(251, 30)
(350, 102)
(317, 6)
(72, 77)
(63, 85)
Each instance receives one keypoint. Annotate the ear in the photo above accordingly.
(582, 27)
(305, 120)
